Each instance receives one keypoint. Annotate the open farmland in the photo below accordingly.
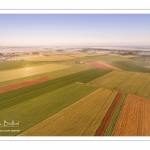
(99, 64)
(20, 95)
(19, 64)
(23, 84)
(29, 71)
(73, 99)
(80, 118)
(47, 58)
(125, 81)
(53, 74)
(135, 63)
(36, 109)
(133, 119)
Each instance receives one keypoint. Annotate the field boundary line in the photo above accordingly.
(100, 131)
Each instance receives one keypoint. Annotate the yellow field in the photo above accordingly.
(29, 71)
(81, 118)
(46, 58)
(125, 81)
(133, 119)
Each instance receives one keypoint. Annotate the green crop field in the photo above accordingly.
(125, 81)
(14, 97)
(52, 75)
(80, 118)
(36, 109)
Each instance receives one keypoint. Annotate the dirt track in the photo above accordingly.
(100, 131)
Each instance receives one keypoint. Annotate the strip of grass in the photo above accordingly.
(37, 109)
(14, 97)
(114, 117)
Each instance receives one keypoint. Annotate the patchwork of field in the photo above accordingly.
(52, 94)
(20, 95)
(125, 81)
(53, 74)
(29, 71)
(80, 118)
(34, 110)
(133, 119)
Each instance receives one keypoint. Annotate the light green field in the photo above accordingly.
(129, 82)
(34, 110)
(29, 71)
(81, 118)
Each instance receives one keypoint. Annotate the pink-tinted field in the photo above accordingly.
(23, 84)
(99, 64)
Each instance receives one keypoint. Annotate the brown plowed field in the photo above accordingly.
(23, 84)
(106, 119)
(99, 64)
(133, 119)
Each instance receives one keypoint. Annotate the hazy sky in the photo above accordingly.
(74, 30)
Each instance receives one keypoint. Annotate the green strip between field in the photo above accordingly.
(114, 117)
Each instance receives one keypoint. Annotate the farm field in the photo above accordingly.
(46, 58)
(34, 110)
(29, 71)
(133, 119)
(81, 118)
(106, 119)
(61, 97)
(99, 64)
(129, 82)
(53, 75)
(134, 64)
(23, 84)
(20, 95)
(19, 64)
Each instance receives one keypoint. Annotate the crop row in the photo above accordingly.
(80, 118)
(114, 117)
(33, 111)
(133, 119)
(128, 82)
